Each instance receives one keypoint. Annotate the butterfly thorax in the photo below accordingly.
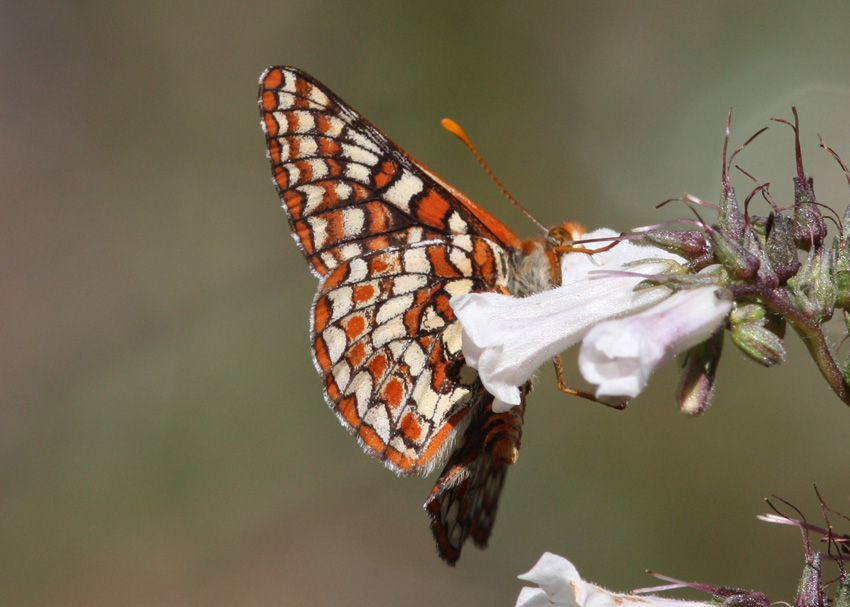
(534, 265)
(531, 269)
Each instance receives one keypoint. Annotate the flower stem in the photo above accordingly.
(808, 330)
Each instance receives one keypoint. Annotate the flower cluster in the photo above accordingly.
(666, 290)
(507, 338)
(559, 583)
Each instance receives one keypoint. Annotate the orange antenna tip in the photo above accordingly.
(454, 128)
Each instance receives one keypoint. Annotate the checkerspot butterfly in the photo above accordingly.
(391, 243)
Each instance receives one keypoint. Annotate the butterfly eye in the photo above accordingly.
(559, 235)
(566, 232)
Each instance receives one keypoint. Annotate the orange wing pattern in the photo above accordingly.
(389, 347)
(347, 188)
(392, 243)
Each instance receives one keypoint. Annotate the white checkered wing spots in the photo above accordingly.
(389, 347)
(347, 188)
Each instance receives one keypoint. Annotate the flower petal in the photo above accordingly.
(532, 597)
(620, 355)
(507, 338)
(560, 584)
(556, 577)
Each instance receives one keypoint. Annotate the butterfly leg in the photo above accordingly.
(561, 249)
(558, 250)
(562, 386)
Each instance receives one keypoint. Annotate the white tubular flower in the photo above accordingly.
(507, 338)
(620, 355)
(560, 584)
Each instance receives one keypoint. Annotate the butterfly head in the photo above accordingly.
(566, 232)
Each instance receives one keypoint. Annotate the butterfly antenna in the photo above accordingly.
(454, 128)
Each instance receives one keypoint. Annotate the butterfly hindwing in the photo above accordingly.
(463, 502)
(389, 346)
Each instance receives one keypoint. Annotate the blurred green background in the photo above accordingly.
(163, 439)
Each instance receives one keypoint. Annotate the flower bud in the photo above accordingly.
(748, 313)
(841, 252)
(729, 217)
(690, 244)
(754, 331)
(759, 343)
(754, 243)
(808, 225)
(779, 246)
(842, 591)
(810, 591)
(845, 368)
(740, 262)
(728, 596)
(696, 386)
(741, 597)
(814, 286)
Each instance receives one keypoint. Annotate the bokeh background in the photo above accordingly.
(163, 439)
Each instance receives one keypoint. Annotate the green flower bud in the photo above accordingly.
(807, 224)
(841, 252)
(814, 287)
(759, 343)
(842, 591)
(810, 591)
(690, 244)
(729, 217)
(744, 313)
(754, 243)
(741, 263)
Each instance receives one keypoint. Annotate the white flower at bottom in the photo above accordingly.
(620, 355)
(560, 584)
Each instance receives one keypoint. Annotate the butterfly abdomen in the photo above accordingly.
(502, 436)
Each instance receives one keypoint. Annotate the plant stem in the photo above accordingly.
(808, 330)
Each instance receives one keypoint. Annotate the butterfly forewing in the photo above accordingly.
(346, 187)
(392, 243)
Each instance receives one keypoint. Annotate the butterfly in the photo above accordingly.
(391, 243)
